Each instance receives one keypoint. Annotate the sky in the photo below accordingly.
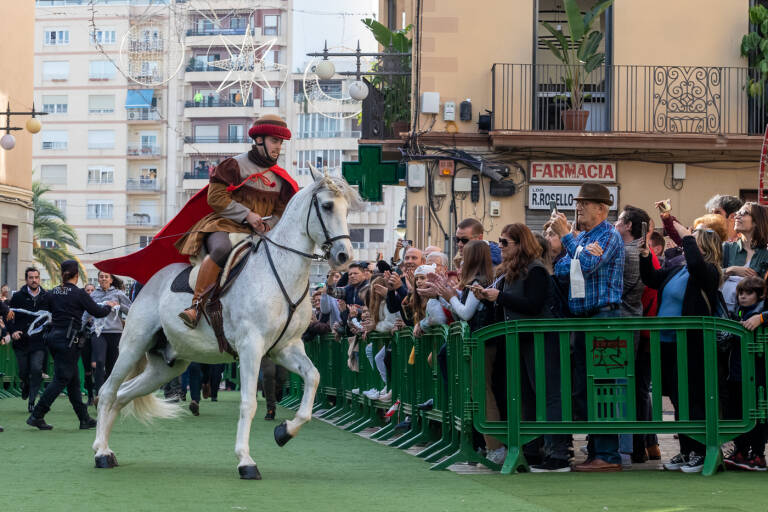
(337, 21)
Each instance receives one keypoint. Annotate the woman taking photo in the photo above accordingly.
(687, 290)
(747, 256)
(66, 303)
(104, 347)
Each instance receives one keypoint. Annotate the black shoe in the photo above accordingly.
(270, 416)
(1, 429)
(551, 466)
(404, 425)
(214, 399)
(39, 423)
(24, 391)
(194, 407)
(87, 423)
(427, 406)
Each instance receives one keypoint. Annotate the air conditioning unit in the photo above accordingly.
(132, 114)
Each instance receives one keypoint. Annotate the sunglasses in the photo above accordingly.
(458, 240)
(504, 242)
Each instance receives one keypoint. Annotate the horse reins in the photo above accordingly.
(326, 247)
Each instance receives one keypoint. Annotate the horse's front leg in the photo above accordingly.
(294, 359)
(250, 360)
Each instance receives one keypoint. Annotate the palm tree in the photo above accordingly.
(51, 224)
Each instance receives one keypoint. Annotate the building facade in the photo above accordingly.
(16, 83)
(103, 149)
(667, 118)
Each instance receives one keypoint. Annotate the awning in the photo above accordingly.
(139, 98)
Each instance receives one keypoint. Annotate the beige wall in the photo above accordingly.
(680, 32)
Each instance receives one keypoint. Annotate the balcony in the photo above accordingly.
(146, 46)
(206, 37)
(145, 151)
(141, 114)
(342, 134)
(142, 185)
(659, 107)
(195, 180)
(216, 145)
(142, 220)
(216, 107)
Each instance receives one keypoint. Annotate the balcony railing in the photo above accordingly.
(197, 174)
(143, 150)
(220, 140)
(216, 102)
(54, 145)
(142, 114)
(343, 134)
(146, 46)
(630, 99)
(218, 31)
(142, 219)
(142, 184)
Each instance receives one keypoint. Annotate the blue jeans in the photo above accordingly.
(605, 446)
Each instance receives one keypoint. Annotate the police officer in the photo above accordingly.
(66, 304)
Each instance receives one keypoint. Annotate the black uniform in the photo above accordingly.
(66, 304)
(30, 350)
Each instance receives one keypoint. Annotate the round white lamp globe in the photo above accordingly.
(325, 70)
(358, 90)
(7, 141)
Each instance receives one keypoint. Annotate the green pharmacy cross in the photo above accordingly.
(370, 173)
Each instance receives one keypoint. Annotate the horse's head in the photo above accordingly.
(331, 199)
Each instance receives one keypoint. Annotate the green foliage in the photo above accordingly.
(754, 46)
(50, 223)
(578, 50)
(395, 89)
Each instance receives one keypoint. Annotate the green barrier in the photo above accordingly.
(610, 381)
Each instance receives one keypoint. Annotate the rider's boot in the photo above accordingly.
(206, 277)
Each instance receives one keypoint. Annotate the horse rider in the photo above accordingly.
(66, 304)
(247, 193)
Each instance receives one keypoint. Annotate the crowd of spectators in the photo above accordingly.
(590, 268)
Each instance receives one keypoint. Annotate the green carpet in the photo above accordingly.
(188, 464)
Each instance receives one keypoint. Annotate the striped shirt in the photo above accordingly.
(603, 275)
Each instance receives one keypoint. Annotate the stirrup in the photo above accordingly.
(187, 320)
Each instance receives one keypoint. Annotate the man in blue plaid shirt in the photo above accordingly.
(594, 269)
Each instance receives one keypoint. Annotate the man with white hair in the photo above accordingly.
(439, 260)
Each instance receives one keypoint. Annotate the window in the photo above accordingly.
(101, 70)
(55, 104)
(103, 37)
(99, 209)
(53, 174)
(61, 204)
(144, 240)
(98, 242)
(55, 70)
(48, 244)
(357, 237)
(268, 98)
(54, 139)
(56, 37)
(101, 174)
(101, 139)
(101, 103)
(318, 126)
(271, 23)
(207, 133)
(376, 235)
(236, 132)
(319, 158)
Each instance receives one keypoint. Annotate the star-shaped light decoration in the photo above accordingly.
(246, 65)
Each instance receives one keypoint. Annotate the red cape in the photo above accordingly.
(142, 264)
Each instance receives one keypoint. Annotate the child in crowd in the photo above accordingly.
(749, 449)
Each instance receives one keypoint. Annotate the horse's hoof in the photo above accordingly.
(281, 434)
(249, 473)
(105, 461)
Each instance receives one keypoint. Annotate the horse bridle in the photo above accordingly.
(325, 246)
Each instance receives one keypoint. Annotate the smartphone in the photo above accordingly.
(644, 235)
(407, 243)
(576, 220)
(552, 207)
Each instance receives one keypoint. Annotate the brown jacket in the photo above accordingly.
(266, 196)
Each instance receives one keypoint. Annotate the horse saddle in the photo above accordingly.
(211, 307)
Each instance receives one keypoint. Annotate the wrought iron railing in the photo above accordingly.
(627, 98)
(142, 184)
(143, 150)
(142, 114)
(197, 174)
(217, 102)
(215, 140)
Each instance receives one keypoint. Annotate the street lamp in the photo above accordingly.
(33, 125)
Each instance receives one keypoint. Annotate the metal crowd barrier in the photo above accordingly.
(610, 383)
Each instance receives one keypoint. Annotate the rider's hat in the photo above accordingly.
(270, 124)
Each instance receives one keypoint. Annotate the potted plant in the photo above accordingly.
(396, 90)
(578, 51)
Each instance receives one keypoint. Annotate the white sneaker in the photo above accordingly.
(695, 464)
(676, 462)
(386, 397)
(372, 394)
(356, 391)
(626, 461)
(498, 455)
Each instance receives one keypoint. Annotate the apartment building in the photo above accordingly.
(102, 149)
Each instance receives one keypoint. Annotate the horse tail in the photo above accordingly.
(148, 407)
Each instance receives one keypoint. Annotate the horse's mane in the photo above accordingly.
(340, 187)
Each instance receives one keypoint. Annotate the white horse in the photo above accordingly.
(255, 312)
